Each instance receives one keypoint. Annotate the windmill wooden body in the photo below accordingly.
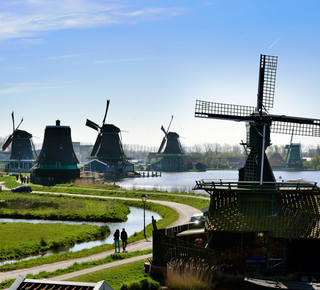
(22, 157)
(107, 155)
(57, 162)
(170, 154)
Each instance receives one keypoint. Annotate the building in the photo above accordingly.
(35, 284)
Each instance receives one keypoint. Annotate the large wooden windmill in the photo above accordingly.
(259, 122)
(57, 161)
(256, 211)
(22, 156)
(108, 148)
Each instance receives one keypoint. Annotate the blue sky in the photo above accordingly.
(153, 59)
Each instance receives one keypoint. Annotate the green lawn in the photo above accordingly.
(116, 277)
(76, 208)
(22, 239)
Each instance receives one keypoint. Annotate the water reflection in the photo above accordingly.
(132, 225)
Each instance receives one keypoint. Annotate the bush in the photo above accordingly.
(141, 285)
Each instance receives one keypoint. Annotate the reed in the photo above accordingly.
(190, 274)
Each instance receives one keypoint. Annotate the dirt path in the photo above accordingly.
(185, 212)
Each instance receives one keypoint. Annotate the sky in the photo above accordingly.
(154, 59)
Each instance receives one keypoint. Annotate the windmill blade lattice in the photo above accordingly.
(206, 109)
(302, 129)
(267, 79)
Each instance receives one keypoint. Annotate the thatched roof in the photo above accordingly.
(293, 215)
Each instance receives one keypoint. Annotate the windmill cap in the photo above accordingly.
(57, 126)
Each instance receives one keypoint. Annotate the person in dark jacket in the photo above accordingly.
(116, 237)
(124, 237)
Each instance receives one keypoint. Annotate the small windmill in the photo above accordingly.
(171, 151)
(293, 157)
(22, 149)
(259, 122)
(108, 146)
(170, 142)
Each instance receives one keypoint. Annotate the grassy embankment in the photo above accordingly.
(46, 206)
(130, 275)
(168, 217)
(23, 239)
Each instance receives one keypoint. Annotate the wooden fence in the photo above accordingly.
(166, 246)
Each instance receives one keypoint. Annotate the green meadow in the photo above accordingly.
(43, 205)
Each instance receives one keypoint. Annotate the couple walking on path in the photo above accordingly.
(117, 236)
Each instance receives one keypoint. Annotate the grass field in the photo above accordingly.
(116, 277)
(44, 206)
(22, 239)
(130, 274)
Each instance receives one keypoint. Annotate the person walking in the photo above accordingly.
(124, 237)
(116, 237)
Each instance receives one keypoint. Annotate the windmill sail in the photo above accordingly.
(10, 139)
(92, 125)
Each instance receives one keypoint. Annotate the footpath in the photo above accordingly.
(184, 211)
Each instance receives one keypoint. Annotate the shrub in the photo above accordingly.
(144, 284)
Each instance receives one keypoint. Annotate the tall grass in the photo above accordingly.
(92, 183)
(190, 274)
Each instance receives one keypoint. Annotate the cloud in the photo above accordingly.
(29, 18)
(13, 88)
(67, 56)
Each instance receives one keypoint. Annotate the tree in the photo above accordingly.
(315, 161)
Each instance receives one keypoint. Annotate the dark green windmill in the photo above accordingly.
(293, 158)
(259, 122)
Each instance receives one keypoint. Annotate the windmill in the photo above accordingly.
(57, 161)
(293, 158)
(108, 146)
(259, 122)
(22, 156)
(171, 152)
(170, 141)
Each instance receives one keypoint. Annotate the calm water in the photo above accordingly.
(132, 225)
(185, 181)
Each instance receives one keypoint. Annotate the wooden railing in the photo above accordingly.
(230, 185)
